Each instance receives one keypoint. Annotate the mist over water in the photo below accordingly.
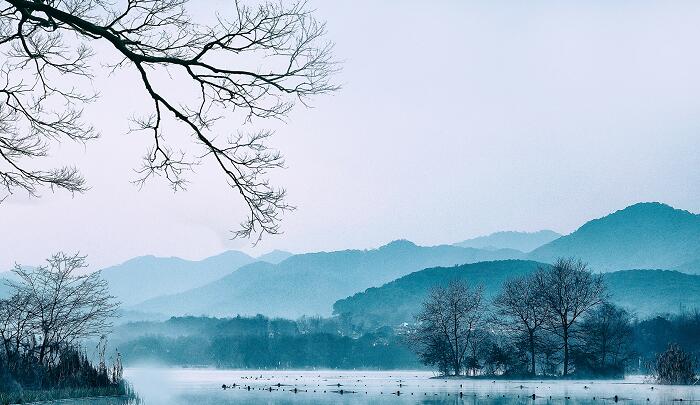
(179, 386)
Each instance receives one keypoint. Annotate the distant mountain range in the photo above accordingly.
(644, 292)
(645, 235)
(523, 241)
(146, 277)
(641, 236)
(276, 256)
(309, 284)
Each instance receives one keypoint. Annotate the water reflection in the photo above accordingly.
(204, 387)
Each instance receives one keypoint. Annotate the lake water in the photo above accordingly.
(159, 386)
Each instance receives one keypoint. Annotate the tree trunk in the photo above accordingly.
(566, 351)
(44, 346)
(532, 352)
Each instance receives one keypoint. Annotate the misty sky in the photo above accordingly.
(456, 119)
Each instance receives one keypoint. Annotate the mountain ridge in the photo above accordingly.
(523, 241)
(308, 284)
(644, 292)
(166, 275)
(647, 235)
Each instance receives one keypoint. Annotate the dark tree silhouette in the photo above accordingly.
(521, 311)
(605, 340)
(58, 306)
(569, 290)
(448, 325)
(46, 47)
(50, 310)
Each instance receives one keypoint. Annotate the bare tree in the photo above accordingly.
(447, 325)
(47, 49)
(62, 306)
(569, 290)
(605, 339)
(15, 328)
(521, 312)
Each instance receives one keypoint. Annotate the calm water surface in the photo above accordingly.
(160, 386)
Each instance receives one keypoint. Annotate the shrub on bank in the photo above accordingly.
(674, 366)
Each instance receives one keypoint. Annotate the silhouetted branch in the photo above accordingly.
(157, 37)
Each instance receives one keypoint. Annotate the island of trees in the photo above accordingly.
(555, 322)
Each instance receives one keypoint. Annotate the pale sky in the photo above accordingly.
(456, 119)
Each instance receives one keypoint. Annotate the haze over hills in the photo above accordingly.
(692, 267)
(641, 236)
(145, 277)
(645, 235)
(4, 278)
(644, 292)
(275, 256)
(397, 301)
(650, 292)
(158, 276)
(523, 241)
(309, 284)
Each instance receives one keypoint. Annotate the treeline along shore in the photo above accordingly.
(226, 343)
(555, 322)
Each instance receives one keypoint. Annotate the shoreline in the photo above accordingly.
(538, 378)
(50, 395)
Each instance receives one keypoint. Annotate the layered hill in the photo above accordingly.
(309, 284)
(641, 236)
(644, 292)
(276, 256)
(523, 241)
(397, 301)
(650, 292)
(146, 277)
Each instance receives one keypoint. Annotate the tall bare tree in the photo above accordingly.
(569, 290)
(62, 306)
(521, 312)
(16, 322)
(257, 60)
(447, 325)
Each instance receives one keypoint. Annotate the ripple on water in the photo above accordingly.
(159, 386)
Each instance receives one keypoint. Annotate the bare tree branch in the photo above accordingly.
(47, 42)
